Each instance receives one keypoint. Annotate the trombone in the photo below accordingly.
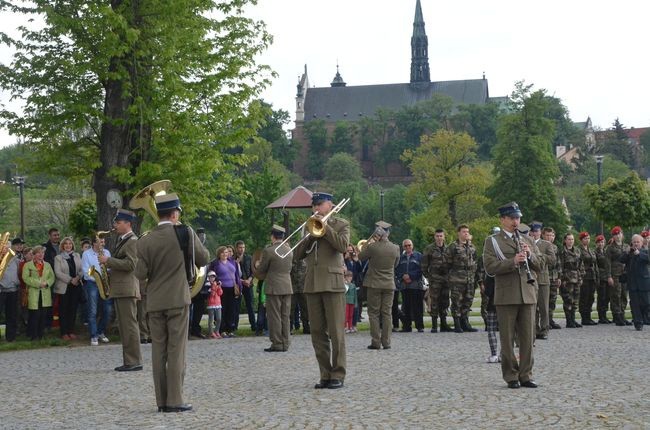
(314, 225)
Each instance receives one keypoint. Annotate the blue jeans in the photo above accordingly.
(93, 300)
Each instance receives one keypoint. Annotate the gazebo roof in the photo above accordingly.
(299, 197)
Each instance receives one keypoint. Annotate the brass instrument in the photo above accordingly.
(101, 275)
(145, 199)
(315, 227)
(530, 279)
(365, 242)
(8, 256)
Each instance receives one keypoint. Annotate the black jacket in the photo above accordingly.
(638, 275)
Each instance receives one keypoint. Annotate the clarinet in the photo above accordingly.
(530, 279)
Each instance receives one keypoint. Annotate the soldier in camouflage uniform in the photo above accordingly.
(461, 262)
(617, 293)
(298, 271)
(603, 269)
(547, 260)
(590, 279)
(571, 272)
(553, 273)
(434, 268)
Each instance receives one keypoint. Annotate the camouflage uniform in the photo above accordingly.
(617, 292)
(589, 284)
(298, 271)
(434, 268)
(571, 271)
(554, 275)
(603, 293)
(461, 264)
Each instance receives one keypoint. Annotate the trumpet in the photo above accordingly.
(315, 227)
(365, 242)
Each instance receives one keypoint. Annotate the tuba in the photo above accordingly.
(8, 256)
(145, 199)
(101, 275)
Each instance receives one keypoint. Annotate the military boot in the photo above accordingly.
(586, 319)
(434, 325)
(570, 322)
(458, 327)
(602, 318)
(573, 317)
(618, 320)
(552, 324)
(444, 327)
(466, 325)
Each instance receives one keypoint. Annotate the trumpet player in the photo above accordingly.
(125, 289)
(325, 292)
(382, 256)
(508, 256)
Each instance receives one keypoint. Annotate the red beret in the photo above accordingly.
(616, 230)
(600, 237)
(645, 233)
(583, 235)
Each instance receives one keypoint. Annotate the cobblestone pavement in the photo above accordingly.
(594, 377)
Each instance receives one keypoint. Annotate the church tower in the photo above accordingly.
(303, 85)
(420, 76)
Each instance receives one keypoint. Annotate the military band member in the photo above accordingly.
(553, 276)
(617, 294)
(603, 269)
(548, 258)
(325, 292)
(589, 280)
(161, 261)
(382, 256)
(507, 257)
(434, 268)
(461, 260)
(276, 273)
(125, 289)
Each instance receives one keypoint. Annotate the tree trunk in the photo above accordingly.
(452, 211)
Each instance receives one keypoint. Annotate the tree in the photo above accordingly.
(624, 202)
(133, 91)
(342, 167)
(273, 132)
(317, 137)
(342, 139)
(525, 169)
(445, 174)
(616, 143)
(480, 122)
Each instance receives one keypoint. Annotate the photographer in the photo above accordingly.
(638, 280)
(354, 265)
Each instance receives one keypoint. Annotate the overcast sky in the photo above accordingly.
(591, 54)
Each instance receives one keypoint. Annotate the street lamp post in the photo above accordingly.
(599, 164)
(381, 203)
(19, 181)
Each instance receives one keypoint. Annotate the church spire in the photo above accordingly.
(338, 79)
(419, 49)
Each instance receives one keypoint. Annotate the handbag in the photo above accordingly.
(237, 292)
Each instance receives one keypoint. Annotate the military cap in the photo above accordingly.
(600, 237)
(383, 224)
(616, 230)
(535, 225)
(523, 228)
(124, 215)
(511, 210)
(277, 229)
(583, 234)
(167, 202)
(318, 198)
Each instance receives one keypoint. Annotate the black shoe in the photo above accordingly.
(271, 349)
(335, 383)
(181, 408)
(434, 330)
(420, 330)
(541, 336)
(131, 368)
(529, 384)
(603, 321)
(162, 408)
(514, 384)
(589, 322)
(406, 330)
(577, 324)
(638, 326)
(627, 322)
(387, 347)
(646, 322)
(458, 328)
(323, 383)
(306, 331)
(373, 347)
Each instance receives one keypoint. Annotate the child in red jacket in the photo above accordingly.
(214, 306)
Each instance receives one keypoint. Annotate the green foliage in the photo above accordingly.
(316, 134)
(342, 167)
(447, 176)
(133, 91)
(83, 218)
(272, 130)
(343, 137)
(525, 169)
(480, 122)
(624, 202)
(644, 142)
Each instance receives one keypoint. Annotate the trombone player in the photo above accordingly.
(125, 289)
(383, 257)
(325, 290)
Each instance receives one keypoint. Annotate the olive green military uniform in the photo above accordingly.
(298, 271)
(515, 302)
(275, 271)
(382, 257)
(161, 263)
(548, 258)
(461, 268)
(434, 268)
(571, 271)
(325, 292)
(142, 313)
(125, 292)
(603, 289)
(589, 283)
(617, 292)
